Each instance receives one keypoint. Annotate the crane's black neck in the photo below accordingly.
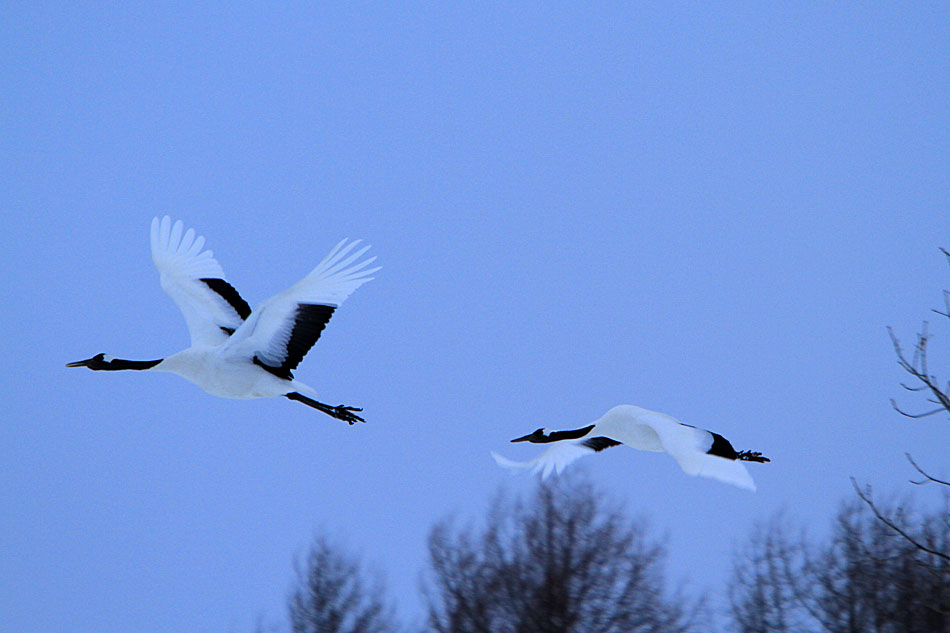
(573, 434)
(102, 362)
(119, 363)
(542, 437)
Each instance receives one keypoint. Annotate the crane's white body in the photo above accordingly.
(236, 352)
(647, 431)
(227, 375)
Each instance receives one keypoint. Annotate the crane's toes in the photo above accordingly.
(752, 456)
(347, 414)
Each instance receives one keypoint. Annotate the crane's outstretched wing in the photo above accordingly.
(558, 456)
(281, 331)
(194, 280)
(697, 451)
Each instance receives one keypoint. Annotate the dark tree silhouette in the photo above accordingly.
(885, 569)
(762, 592)
(333, 595)
(563, 562)
(865, 578)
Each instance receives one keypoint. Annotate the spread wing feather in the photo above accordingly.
(283, 329)
(195, 281)
(554, 458)
(688, 445)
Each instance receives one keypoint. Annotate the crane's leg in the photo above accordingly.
(339, 412)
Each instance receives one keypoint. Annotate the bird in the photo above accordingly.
(697, 451)
(237, 352)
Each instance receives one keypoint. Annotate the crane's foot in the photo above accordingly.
(340, 412)
(752, 456)
(346, 414)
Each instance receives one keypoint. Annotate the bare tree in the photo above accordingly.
(865, 578)
(884, 569)
(563, 562)
(333, 595)
(938, 399)
(763, 592)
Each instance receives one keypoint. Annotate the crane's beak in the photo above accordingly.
(523, 439)
(81, 363)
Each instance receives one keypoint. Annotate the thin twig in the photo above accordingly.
(928, 478)
(917, 367)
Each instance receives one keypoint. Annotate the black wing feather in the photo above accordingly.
(229, 294)
(310, 319)
(600, 443)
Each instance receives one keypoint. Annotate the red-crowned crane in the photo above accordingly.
(698, 452)
(236, 352)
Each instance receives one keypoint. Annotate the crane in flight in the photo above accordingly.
(236, 352)
(697, 451)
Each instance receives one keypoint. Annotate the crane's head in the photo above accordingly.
(97, 362)
(538, 437)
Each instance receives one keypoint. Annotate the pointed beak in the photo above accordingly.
(523, 439)
(81, 363)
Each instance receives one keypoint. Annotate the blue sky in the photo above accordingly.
(708, 211)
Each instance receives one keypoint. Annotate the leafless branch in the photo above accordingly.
(915, 416)
(865, 496)
(927, 478)
(917, 367)
(946, 293)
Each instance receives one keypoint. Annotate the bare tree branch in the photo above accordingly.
(928, 478)
(915, 416)
(865, 496)
(917, 367)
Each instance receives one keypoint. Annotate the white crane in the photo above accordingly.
(236, 352)
(698, 452)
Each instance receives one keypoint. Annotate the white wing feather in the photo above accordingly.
(334, 279)
(729, 471)
(181, 265)
(555, 458)
(688, 446)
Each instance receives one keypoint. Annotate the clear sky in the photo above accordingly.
(709, 211)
